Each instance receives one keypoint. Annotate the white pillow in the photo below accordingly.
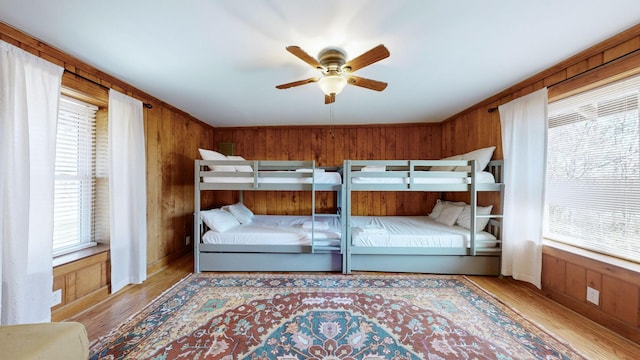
(464, 219)
(380, 168)
(449, 214)
(240, 212)
(481, 156)
(446, 168)
(241, 168)
(440, 205)
(218, 220)
(214, 155)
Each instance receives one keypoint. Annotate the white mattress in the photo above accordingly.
(320, 177)
(412, 231)
(279, 230)
(481, 177)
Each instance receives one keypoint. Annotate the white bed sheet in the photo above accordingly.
(481, 177)
(279, 230)
(324, 177)
(412, 231)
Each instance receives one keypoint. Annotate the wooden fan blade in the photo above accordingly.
(376, 54)
(366, 83)
(328, 99)
(302, 55)
(297, 83)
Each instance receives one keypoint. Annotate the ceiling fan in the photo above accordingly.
(337, 72)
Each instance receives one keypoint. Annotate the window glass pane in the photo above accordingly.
(74, 175)
(593, 170)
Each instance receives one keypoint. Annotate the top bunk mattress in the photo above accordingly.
(444, 177)
(412, 231)
(319, 177)
(280, 230)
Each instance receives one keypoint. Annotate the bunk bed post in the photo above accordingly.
(473, 204)
(256, 171)
(347, 216)
(343, 221)
(196, 218)
(411, 175)
(313, 206)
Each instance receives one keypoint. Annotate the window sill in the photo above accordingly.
(80, 254)
(625, 264)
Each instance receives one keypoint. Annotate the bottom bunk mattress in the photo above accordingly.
(413, 231)
(281, 230)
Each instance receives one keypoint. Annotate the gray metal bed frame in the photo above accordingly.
(470, 261)
(214, 257)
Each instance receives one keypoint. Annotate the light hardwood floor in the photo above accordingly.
(586, 336)
(589, 338)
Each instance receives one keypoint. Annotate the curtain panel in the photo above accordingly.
(127, 191)
(524, 145)
(29, 94)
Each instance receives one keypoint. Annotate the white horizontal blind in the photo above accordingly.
(593, 170)
(74, 204)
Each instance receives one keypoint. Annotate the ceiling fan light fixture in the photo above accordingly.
(336, 71)
(332, 84)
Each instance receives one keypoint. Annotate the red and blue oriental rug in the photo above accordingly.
(327, 317)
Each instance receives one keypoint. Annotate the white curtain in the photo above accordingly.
(127, 191)
(524, 145)
(29, 93)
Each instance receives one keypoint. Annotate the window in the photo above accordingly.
(593, 170)
(75, 177)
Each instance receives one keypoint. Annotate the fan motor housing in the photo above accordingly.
(332, 58)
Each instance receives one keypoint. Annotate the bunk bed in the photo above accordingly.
(439, 242)
(232, 238)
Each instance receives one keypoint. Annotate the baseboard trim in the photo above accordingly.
(165, 262)
(80, 305)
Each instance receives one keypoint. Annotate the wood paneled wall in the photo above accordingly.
(566, 275)
(330, 146)
(476, 127)
(172, 141)
(82, 283)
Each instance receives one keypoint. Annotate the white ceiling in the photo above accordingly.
(219, 60)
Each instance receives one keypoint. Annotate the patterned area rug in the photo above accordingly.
(281, 316)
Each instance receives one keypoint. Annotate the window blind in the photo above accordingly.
(593, 170)
(74, 194)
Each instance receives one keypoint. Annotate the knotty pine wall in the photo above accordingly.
(329, 146)
(565, 275)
